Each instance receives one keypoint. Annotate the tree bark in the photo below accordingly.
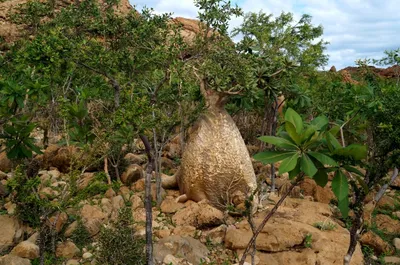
(148, 201)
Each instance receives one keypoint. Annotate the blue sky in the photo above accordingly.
(356, 29)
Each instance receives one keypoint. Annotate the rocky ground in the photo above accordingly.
(305, 230)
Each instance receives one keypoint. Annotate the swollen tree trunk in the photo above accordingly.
(216, 164)
(148, 201)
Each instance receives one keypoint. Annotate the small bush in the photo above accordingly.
(117, 245)
(81, 236)
(308, 241)
(325, 226)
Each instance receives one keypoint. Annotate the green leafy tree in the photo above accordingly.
(311, 150)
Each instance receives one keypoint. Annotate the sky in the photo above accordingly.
(355, 29)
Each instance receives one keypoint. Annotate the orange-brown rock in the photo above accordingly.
(310, 188)
(374, 241)
(387, 224)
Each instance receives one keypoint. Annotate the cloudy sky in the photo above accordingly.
(356, 29)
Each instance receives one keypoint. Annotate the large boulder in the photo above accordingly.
(282, 239)
(198, 215)
(10, 232)
(93, 217)
(385, 223)
(14, 260)
(184, 247)
(26, 249)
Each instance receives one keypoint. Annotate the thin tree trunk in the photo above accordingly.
(148, 202)
(380, 193)
(106, 170)
(354, 233)
(266, 219)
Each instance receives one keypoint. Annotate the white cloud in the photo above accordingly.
(356, 29)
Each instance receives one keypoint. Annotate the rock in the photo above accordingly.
(198, 215)
(9, 227)
(10, 207)
(85, 179)
(162, 233)
(387, 224)
(139, 185)
(110, 193)
(173, 150)
(368, 210)
(87, 255)
(310, 188)
(3, 175)
(135, 159)
(154, 192)
(186, 231)
(117, 202)
(386, 202)
(396, 243)
(132, 174)
(166, 163)
(186, 247)
(208, 215)
(171, 206)
(5, 163)
(58, 221)
(170, 259)
(332, 69)
(34, 238)
(139, 215)
(125, 192)
(215, 236)
(67, 250)
(106, 206)
(49, 193)
(14, 260)
(92, 218)
(54, 174)
(3, 190)
(287, 230)
(136, 202)
(391, 260)
(72, 262)
(26, 249)
(71, 229)
(374, 241)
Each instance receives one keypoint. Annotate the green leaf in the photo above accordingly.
(288, 164)
(324, 159)
(321, 177)
(294, 118)
(332, 142)
(340, 186)
(307, 166)
(268, 157)
(307, 134)
(353, 170)
(296, 171)
(335, 130)
(356, 151)
(278, 141)
(320, 122)
(291, 130)
(343, 206)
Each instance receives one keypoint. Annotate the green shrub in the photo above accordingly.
(81, 236)
(117, 244)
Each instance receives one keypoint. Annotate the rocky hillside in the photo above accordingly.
(305, 231)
